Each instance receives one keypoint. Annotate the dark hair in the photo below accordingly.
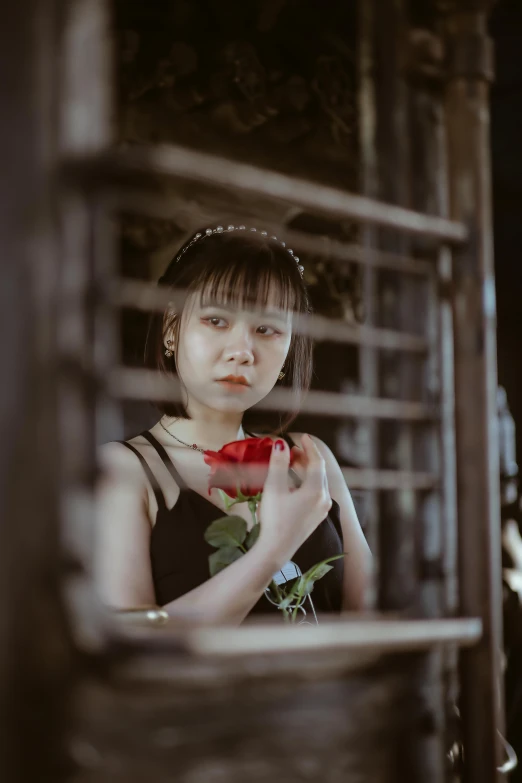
(236, 268)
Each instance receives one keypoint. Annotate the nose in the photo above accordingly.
(240, 346)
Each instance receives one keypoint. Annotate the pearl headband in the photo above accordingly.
(220, 230)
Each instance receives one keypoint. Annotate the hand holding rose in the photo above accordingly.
(289, 516)
(255, 470)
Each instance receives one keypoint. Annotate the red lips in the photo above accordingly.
(236, 379)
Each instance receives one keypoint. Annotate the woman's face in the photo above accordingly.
(219, 341)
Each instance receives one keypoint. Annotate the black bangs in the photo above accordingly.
(247, 285)
(246, 273)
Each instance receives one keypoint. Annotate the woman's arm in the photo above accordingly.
(122, 563)
(357, 559)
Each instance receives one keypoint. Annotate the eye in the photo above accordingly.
(271, 331)
(211, 320)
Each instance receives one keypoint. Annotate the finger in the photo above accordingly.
(298, 456)
(277, 476)
(298, 461)
(315, 470)
(310, 450)
(326, 487)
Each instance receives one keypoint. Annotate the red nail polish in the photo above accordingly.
(279, 445)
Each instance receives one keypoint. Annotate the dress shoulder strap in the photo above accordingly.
(158, 494)
(162, 452)
(288, 439)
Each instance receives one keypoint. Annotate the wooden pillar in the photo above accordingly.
(409, 526)
(396, 309)
(368, 185)
(478, 498)
(35, 653)
(434, 448)
(86, 332)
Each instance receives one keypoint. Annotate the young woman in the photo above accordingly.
(229, 343)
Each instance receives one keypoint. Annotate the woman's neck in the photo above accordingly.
(205, 434)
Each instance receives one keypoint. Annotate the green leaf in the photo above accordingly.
(305, 584)
(226, 531)
(253, 536)
(320, 569)
(315, 573)
(287, 601)
(228, 502)
(295, 592)
(241, 498)
(222, 558)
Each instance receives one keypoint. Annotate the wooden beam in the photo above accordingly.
(148, 164)
(136, 384)
(473, 295)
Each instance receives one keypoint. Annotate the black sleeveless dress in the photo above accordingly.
(179, 553)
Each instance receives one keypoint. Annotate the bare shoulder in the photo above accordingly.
(122, 485)
(117, 461)
(114, 453)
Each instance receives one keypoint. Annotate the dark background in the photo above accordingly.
(304, 65)
(506, 127)
(506, 138)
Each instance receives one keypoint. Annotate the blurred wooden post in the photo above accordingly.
(397, 308)
(35, 654)
(409, 527)
(86, 333)
(369, 356)
(470, 64)
(435, 452)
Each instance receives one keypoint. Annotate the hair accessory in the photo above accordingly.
(220, 230)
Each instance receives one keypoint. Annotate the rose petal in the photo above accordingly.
(241, 463)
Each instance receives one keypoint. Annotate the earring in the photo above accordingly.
(168, 352)
(281, 375)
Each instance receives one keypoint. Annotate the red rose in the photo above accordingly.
(241, 465)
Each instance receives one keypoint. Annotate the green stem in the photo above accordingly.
(279, 596)
(300, 602)
(252, 505)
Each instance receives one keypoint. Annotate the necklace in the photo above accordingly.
(188, 445)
